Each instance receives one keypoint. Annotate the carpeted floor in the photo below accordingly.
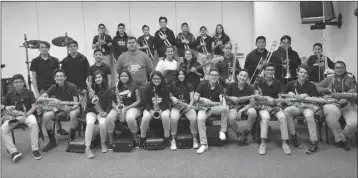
(228, 161)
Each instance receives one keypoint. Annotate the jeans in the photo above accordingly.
(190, 115)
(292, 111)
(147, 117)
(332, 114)
(49, 115)
(265, 118)
(31, 122)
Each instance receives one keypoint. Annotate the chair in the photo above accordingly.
(24, 126)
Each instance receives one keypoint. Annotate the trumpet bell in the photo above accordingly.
(288, 76)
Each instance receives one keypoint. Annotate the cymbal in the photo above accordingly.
(61, 41)
(32, 44)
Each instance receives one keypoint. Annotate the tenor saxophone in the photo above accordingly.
(156, 101)
(54, 105)
(205, 104)
(180, 105)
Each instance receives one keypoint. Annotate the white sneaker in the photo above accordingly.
(202, 149)
(262, 149)
(195, 143)
(173, 145)
(286, 148)
(222, 136)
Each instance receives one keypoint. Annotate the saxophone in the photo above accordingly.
(54, 106)
(156, 101)
(12, 114)
(343, 95)
(180, 105)
(205, 104)
(94, 99)
(238, 100)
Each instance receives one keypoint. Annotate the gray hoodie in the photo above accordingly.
(137, 63)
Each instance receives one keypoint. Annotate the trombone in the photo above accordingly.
(268, 57)
(166, 40)
(145, 42)
(288, 74)
(182, 37)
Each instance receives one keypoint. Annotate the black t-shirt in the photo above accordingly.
(268, 90)
(106, 50)
(204, 89)
(181, 91)
(191, 77)
(103, 67)
(105, 101)
(224, 39)
(64, 93)
(25, 98)
(314, 70)
(234, 90)
(306, 88)
(44, 71)
(125, 99)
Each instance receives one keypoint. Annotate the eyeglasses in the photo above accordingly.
(18, 82)
(156, 79)
(214, 75)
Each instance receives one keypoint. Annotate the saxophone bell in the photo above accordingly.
(95, 100)
(120, 107)
(156, 115)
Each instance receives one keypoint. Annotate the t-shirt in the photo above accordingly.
(272, 90)
(64, 93)
(44, 71)
(306, 88)
(181, 91)
(103, 67)
(125, 99)
(165, 64)
(25, 98)
(204, 89)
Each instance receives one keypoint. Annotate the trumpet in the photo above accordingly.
(268, 57)
(166, 40)
(233, 68)
(145, 42)
(182, 37)
(205, 51)
(288, 73)
(156, 101)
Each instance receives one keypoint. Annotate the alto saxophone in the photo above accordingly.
(239, 100)
(12, 114)
(180, 105)
(94, 99)
(156, 101)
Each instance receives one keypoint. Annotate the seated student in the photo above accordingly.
(183, 91)
(130, 99)
(99, 65)
(225, 65)
(234, 91)
(211, 91)
(302, 88)
(62, 91)
(271, 88)
(98, 111)
(189, 65)
(156, 103)
(340, 82)
(20, 99)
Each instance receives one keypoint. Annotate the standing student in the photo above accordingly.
(168, 35)
(184, 40)
(168, 63)
(203, 41)
(191, 67)
(254, 57)
(136, 62)
(317, 66)
(279, 59)
(146, 44)
(219, 40)
(119, 45)
(42, 69)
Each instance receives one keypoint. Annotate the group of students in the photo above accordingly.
(148, 92)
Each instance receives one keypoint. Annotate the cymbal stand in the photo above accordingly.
(26, 46)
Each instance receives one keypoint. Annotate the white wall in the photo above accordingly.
(47, 20)
(243, 22)
(275, 19)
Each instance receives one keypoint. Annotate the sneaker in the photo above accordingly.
(296, 141)
(345, 145)
(89, 154)
(195, 143)
(49, 146)
(222, 136)
(250, 138)
(37, 155)
(166, 142)
(202, 149)
(62, 132)
(173, 145)
(262, 149)
(312, 148)
(243, 138)
(286, 149)
(104, 148)
(16, 156)
(142, 143)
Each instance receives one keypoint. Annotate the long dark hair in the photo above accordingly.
(177, 81)
(192, 54)
(216, 31)
(130, 82)
(162, 86)
(104, 83)
(166, 48)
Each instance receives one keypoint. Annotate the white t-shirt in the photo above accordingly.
(164, 65)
